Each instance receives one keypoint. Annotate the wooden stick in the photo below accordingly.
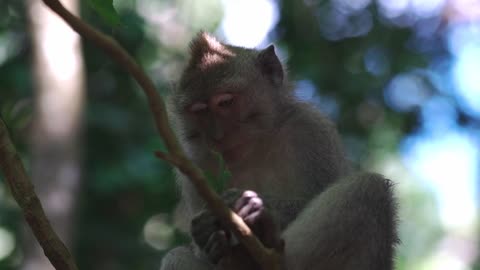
(23, 192)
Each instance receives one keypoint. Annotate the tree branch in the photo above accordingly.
(267, 258)
(23, 192)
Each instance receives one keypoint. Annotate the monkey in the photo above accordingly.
(290, 179)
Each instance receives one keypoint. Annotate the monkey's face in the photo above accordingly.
(227, 98)
(228, 122)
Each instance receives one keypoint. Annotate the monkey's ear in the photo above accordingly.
(270, 65)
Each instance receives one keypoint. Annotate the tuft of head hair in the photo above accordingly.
(206, 51)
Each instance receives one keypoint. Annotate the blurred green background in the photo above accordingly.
(400, 78)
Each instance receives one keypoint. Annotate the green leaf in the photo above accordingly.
(106, 10)
(219, 182)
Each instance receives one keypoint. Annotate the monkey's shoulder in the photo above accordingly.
(306, 121)
(315, 143)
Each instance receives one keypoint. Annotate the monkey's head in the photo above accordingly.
(228, 97)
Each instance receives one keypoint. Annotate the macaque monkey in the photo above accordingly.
(291, 182)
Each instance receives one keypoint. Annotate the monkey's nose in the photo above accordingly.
(222, 103)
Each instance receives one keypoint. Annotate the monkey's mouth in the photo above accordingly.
(232, 155)
(233, 152)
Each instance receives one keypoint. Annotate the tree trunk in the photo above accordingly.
(56, 136)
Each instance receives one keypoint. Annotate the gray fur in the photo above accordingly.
(332, 219)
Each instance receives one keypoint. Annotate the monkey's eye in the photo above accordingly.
(198, 107)
(225, 100)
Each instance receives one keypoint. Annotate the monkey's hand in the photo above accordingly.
(256, 214)
(217, 243)
(209, 236)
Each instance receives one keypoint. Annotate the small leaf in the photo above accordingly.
(219, 182)
(106, 10)
(212, 181)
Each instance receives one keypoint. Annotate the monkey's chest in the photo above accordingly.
(275, 182)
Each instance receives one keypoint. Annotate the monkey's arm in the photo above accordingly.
(183, 258)
(351, 225)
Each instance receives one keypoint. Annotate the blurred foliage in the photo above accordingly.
(125, 185)
(105, 9)
(15, 100)
(337, 68)
(220, 182)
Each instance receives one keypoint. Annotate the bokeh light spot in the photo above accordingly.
(7, 243)
(405, 92)
(466, 72)
(247, 22)
(158, 233)
(376, 61)
(448, 163)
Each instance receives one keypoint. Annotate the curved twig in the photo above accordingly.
(23, 192)
(267, 258)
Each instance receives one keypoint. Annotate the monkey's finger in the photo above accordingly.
(253, 205)
(201, 232)
(217, 252)
(253, 217)
(216, 237)
(244, 199)
(217, 246)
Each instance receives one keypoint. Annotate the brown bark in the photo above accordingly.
(23, 192)
(59, 89)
